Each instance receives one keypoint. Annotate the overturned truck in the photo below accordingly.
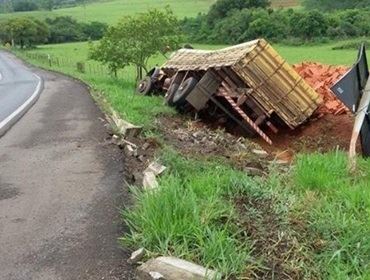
(249, 83)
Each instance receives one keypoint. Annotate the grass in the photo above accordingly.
(198, 214)
(189, 216)
(118, 93)
(286, 225)
(111, 11)
(338, 214)
(323, 53)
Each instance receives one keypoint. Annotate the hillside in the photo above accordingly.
(111, 11)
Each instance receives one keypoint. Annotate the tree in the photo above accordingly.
(47, 4)
(23, 31)
(64, 29)
(6, 6)
(309, 25)
(335, 4)
(135, 39)
(94, 30)
(222, 8)
(24, 5)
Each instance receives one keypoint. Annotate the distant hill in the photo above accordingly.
(111, 11)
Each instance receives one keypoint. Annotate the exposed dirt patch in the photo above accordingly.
(317, 135)
(197, 139)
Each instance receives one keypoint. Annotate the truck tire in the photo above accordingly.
(145, 86)
(179, 98)
(170, 93)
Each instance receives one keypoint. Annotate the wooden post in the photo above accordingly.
(359, 120)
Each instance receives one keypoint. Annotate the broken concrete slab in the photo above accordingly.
(172, 268)
(136, 256)
(156, 168)
(129, 151)
(145, 146)
(124, 128)
(149, 181)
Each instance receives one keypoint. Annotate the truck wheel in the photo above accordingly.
(145, 86)
(170, 93)
(183, 91)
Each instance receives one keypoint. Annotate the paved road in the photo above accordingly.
(17, 85)
(60, 188)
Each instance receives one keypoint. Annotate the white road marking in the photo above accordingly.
(1, 76)
(20, 109)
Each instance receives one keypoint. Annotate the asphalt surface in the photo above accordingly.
(17, 85)
(61, 185)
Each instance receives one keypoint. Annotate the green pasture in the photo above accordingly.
(111, 11)
(322, 53)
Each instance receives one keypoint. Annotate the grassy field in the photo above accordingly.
(294, 54)
(111, 11)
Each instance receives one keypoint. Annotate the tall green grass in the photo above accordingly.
(212, 214)
(340, 214)
(191, 215)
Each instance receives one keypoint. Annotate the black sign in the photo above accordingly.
(349, 90)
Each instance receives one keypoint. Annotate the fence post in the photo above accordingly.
(49, 59)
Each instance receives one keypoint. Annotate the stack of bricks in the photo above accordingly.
(322, 78)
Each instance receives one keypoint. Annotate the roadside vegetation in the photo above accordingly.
(309, 220)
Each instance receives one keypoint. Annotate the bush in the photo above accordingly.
(309, 25)
(23, 31)
(67, 29)
(94, 30)
(222, 8)
(24, 5)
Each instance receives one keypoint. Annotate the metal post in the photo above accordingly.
(359, 120)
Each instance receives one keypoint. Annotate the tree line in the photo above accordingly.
(236, 21)
(8, 6)
(28, 31)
